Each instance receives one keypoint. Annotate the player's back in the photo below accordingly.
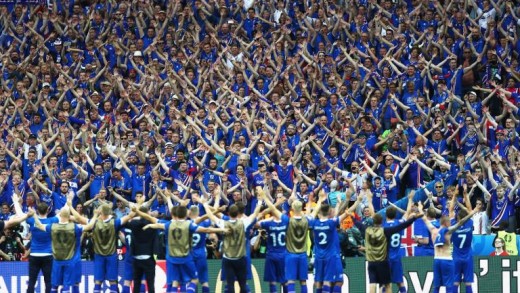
(462, 239)
(276, 232)
(199, 241)
(296, 239)
(394, 243)
(326, 240)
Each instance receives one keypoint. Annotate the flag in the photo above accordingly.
(407, 243)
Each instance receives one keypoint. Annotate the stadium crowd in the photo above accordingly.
(105, 101)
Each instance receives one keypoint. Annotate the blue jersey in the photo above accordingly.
(40, 241)
(199, 241)
(127, 233)
(326, 240)
(462, 238)
(276, 234)
(440, 240)
(394, 245)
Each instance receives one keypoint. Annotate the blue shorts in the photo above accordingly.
(396, 270)
(128, 274)
(443, 273)
(63, 273)
(274, 269)
(105, 267)
(463, 267)
(201, 263)
(296, 266)
(328, 270)
(181, 272)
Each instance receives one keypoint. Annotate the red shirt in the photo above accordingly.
(504, 253)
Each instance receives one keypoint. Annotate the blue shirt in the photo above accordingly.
(394, 243)
(199, 241)
(462, 238)
(40, 241)
(276, 234)
(326, 240)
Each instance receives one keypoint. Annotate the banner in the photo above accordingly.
(23, 2)
(492, 274)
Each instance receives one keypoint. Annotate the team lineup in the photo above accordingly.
(56, 245)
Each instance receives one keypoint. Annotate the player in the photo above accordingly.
(65, 240)
(443, 270)
(275, 228)
(40, 257)
(377, 239)
(394, 247)
(104, 240)
(234, 244)
(462, 239)
(198, 251)
(328, 269)
(180, 266)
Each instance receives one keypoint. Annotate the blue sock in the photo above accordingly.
(126, 289)
(436, 290)
(226, 289)
(182, 288)
(205, 289)
(272, 288)
(325, 289)
(291, 288)
(336, 289)
(303, 288)
(402, 289)
(469, 289)
(284, 288)
(319, 290)
(113, 288)
(191, 288)
(247, 288)
(383, 289)
(143, 288)
(54, 290)
(97, 288)
(75, 289)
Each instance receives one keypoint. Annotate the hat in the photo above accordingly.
(473, 93)
(105, 82)
(46, 84)
(57, 42)
(500, 130)
(32, 136)
(167, 84)
(162, 11)
(95, 94)
(138, 54)
(169, 144)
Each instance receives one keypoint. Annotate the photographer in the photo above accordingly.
(11, 244)
(213, 246)
(259, 244)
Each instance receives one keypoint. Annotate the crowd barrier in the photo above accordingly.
(492, 274)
